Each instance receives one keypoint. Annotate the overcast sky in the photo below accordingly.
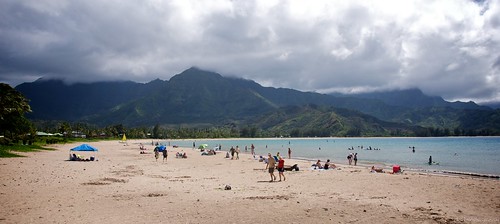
(449, 48)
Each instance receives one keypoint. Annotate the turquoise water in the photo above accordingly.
(464, 154)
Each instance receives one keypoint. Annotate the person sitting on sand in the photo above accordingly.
(75, 157)
(329, 165)
(318, 164)
(376, 170)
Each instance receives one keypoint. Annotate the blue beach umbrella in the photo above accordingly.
(161, 148)
(84, 147)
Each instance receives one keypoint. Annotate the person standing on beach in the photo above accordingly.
(232, 152)
(281, 168)
(271, 163)
(349, 158)
(237, 152)
(252, 150)
(165, 155)
(157, 154)
(289, 153)
(355, 159)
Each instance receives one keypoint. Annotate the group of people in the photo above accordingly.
(326, 166)
(361, 147)
(234, 151)
(351, 157)
(271, 165)
(78, 157)
(164, 153)
(209, 152)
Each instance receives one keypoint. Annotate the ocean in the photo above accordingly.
(459, 154)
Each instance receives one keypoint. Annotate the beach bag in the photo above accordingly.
(396, 169)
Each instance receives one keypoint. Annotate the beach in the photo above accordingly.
(124, 186)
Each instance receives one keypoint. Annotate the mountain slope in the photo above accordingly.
(55, 100)
(194, 96)
(324, 121)
(199, 97)
(416, 99)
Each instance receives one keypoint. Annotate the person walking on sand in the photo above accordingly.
(289, 153)
(355, 158)
(237, 152)
(281, 168)
(271, 163)
(157, 154)
(165, 155)
(232, 152)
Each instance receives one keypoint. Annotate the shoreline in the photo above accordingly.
(450, 173)
(366, 163)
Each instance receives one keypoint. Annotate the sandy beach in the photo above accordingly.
(124, 186)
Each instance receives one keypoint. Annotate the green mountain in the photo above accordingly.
(323, 121)
(202, 98)
(194, 96)
(416, 99)
(55, 100)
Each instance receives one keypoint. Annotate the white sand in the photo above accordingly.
(127, 187)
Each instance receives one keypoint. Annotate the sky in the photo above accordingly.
(447, 48)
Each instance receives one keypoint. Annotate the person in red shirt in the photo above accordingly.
(281, 168)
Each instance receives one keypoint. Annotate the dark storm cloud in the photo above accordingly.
(447, 48)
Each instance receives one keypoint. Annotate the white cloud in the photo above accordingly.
(448, 48)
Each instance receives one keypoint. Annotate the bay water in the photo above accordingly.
(462, 154)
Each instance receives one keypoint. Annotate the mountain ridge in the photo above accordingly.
(195, 96)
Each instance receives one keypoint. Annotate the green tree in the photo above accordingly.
(65, 129)
(156, 131)
(13, 106)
